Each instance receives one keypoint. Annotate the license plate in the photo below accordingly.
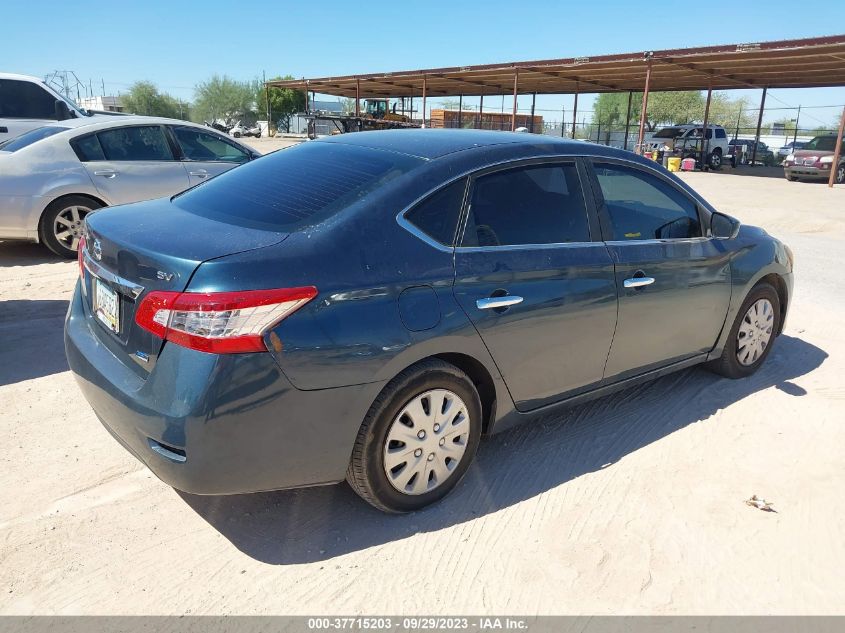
(107, 306)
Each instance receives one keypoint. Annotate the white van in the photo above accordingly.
(27, 103)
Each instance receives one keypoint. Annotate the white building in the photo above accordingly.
(105, 104)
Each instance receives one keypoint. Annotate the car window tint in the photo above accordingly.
(528, 205)
(720, 133)
(25, 100)
(28, 138)
(295, 187)
(437, 215)
(135, 143)
(203, 146)
(88, 148)
(642, 206)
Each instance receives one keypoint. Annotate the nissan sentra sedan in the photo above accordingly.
(369, 306)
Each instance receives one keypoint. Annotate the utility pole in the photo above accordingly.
(795, 135)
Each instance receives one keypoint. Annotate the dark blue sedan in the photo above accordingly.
(367, 307)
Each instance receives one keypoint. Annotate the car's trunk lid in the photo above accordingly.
(155, 245)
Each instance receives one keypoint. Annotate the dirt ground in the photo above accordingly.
(631, 504)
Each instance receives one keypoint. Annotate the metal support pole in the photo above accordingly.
(837, 152)
(562, 120)
(533, 103)
(357, 97)
(575, 111)
(411, 112)
(423, 108)
(515, 87)
(705, 144)
(759, 123)
(306, 97)
(481, 113)
(795, 135)
(628, 119)
(460, 111)
(639, 148)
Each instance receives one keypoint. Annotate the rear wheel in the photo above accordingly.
(418, 438)
(61, 224)
(715, 159)
(752, 335)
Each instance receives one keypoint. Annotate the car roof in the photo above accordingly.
(431, 144)
(20, 77)
(105, 121)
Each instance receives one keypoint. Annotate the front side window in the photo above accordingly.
(135, 143)
(720, 133)
(202, 146)
(642, 206)
(437, 215)
(540, 204)
(25, 100)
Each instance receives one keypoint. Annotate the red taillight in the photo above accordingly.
(80, 254)
(219, 322)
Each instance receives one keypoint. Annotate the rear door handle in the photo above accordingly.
(106, 173)
(638, 282)
(498, 302)
(200, 173)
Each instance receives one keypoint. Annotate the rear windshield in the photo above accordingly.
(292, 188)
(28, 138)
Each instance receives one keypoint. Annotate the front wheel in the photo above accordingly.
(751, 337)
(61, 224)
(840, 175)
(418, 438)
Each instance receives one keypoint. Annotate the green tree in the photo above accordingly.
(224, 98)
(727, 112)
(144, 98)
(284, 103)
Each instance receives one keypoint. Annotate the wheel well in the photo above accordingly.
(777, 282)
(67, 195)
(482, 380)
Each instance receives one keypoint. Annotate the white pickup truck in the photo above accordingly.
(685, 140)
(27, 103)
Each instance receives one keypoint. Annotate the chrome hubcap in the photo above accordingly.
(755, 332)
(426, 442)
(68, 226)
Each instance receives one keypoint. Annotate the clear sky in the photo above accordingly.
(178, 44)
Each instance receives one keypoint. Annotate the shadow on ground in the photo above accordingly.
(320, 523)
(26, 254)
(31, 339)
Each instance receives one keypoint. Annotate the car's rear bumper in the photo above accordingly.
(217, 424)
(802, 171)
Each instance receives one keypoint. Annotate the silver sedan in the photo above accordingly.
(53, 176)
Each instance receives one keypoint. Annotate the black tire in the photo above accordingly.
(714, 161)
(728, 364)
(366, 473)
(47, 227)
(236, 134)
(839, 179)
(791, 178)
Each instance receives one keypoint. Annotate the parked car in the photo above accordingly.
(27, 103)
(815, 160)
(367, 306)
(240, 130)
(53, 176)
(743, 150)
(685, 140)
(787, 149)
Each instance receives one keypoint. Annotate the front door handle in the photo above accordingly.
(200, 173)
(638, 282)
(106, 173)
(498, 302)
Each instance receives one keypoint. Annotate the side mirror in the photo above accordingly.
(723, 227)
(61, 110)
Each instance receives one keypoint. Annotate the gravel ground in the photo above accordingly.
(631, 504)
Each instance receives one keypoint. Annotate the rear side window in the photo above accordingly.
(88, 148)
(540, 204)
(145, 142)
(25, 100)
(437, 215)
(720, 133)
(204, 146)
(644, 207)
(292, 188)
(28, 138)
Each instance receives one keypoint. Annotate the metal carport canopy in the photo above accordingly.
(802, 63)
